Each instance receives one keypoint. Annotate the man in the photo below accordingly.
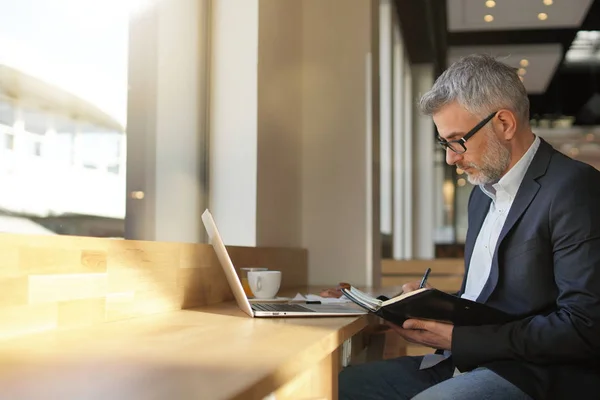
(532, 250)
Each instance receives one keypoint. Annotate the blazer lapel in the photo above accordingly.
(525, 195)
(477, 214)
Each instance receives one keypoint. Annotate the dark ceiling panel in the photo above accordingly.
(569, 89)
(471, 38)
(567, 93)
(423, 26)
(424, 29)
(413, 24)
(592, 21)
(438, 22)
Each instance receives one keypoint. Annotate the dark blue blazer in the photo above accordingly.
(546, 270)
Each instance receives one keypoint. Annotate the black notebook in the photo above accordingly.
(429, 304)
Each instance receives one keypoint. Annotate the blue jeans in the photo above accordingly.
(400, 378)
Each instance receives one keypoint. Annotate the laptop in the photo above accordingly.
(266, 309)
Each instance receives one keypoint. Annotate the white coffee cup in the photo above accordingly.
(264, 284)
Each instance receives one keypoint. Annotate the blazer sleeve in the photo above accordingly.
(572, 332)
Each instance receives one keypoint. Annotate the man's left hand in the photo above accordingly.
(428, 333)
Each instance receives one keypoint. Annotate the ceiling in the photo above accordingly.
(440, 31)
(468, 15)
(562, 52)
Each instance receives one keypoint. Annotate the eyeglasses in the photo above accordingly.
(458, 146)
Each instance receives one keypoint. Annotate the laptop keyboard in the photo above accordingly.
(280, 307)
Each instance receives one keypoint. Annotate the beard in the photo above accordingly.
(493, 165)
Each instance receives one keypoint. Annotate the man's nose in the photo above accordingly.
(451, 157)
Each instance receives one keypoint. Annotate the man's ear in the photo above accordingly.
(505, 124)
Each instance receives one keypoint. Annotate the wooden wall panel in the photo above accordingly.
(13, 291)
(49, 282)
(9, 261)
(439, 266)
(82, 312)
(446, 273)
(29, 318)
(450, 284)
(63, 287)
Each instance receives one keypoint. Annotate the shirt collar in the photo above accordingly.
(511, 181)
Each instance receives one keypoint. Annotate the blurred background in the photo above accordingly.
(555, 45)
(293, 120)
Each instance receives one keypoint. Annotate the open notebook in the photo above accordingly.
(430, 304)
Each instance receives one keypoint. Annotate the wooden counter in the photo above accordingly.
(213, 352)
(91, 318)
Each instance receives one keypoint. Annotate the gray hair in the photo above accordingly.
(480, 84)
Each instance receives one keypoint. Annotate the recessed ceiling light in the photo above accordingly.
(490, 4)
(524, 62)
(488, 18)
(584, 47)
(522, 71)
(548, 2)
(542, 16)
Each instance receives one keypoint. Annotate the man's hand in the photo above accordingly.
(428, 333)
(335, 292)
(411, 286)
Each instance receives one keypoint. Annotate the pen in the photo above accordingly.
(424, 280)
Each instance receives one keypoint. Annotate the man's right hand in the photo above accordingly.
(335, 292)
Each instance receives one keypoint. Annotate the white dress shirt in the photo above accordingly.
(502, 194)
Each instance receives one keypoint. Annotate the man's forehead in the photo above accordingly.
(453, 115)
(450, 130)
(452, 123)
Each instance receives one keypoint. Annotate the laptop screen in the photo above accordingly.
(232, 277)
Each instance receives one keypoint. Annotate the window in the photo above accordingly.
(71, 55)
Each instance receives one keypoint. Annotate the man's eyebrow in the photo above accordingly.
(452, 135)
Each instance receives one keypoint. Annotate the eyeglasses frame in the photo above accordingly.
(446, 144)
